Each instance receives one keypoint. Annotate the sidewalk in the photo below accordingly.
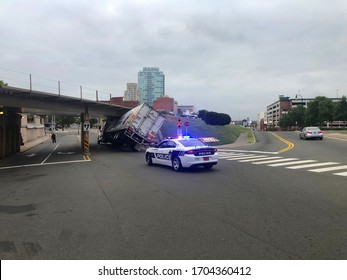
(33, 143)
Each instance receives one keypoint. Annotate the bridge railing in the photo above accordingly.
(38, 83)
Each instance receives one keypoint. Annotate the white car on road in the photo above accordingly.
(182, 153)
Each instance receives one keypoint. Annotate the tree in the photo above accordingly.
(298, 115)
(326, 110)
(341, 110)
(320, 110)
(285, 121)
(214, 118)
(202, 114)
(3, 84)
(312, 113)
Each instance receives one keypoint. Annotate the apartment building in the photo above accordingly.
(132, 92)
(151, 84)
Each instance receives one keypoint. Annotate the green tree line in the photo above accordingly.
(2, 84)
(318, 112)
(214, 118)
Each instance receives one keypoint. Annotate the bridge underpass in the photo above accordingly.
(17, 101)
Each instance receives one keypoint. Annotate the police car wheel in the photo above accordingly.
(208, 166)
(149, 159)
(176, 164)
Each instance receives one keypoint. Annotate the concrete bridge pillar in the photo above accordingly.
(9, 133)
(85, 133)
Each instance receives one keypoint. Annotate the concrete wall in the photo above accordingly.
(33, 130)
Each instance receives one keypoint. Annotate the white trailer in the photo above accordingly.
(139, 126)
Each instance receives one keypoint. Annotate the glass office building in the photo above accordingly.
(151, 84)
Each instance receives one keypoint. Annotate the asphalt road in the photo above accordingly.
(54, 204)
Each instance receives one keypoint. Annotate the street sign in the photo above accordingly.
(179, 123)
(86, 126)
(187, 123)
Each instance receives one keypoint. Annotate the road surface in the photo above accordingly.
(56, 204)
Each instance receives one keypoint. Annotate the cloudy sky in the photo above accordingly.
(230, 56)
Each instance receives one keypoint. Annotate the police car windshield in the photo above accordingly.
(191, 142)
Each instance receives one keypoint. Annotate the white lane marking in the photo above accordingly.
(341, 174)
(247, 157)
(240, 157)
(42, 164)
(312, 165)
(292, 163)
(227, 155)
(258, 159)
(245, 151)
(273, 161)
(333, 168)
(50, 154)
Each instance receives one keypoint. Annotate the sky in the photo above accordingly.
(228, 56)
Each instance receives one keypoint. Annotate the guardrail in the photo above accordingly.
(38, 83)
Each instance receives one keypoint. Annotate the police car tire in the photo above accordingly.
(149, 159)
(176, 164)
(208, 166)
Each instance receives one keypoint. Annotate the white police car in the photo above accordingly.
(182, 152)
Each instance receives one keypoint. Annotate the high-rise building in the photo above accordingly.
(151, 84)
(131, 93)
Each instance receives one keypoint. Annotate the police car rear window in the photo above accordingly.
(191, 142)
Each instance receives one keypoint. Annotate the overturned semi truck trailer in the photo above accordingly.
(139, 126)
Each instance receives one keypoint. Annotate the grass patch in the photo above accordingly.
(198, 128)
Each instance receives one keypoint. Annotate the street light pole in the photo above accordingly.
(302, 99)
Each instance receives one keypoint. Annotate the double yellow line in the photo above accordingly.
(290, 144)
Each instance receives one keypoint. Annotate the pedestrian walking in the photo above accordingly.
(54, 138)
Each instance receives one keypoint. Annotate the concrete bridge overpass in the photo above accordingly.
(16, 101)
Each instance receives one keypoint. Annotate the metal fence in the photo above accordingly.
(43, 84)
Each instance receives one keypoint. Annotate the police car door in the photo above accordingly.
(163, 154)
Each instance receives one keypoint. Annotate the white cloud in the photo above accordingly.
(234, 57)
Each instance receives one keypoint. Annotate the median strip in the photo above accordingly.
(290, 144)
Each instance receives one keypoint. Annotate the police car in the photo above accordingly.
(182, 153)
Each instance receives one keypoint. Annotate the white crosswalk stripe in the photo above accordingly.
(228, 155)
(245, 157)
(292, 162)
(274, 161)
(326, 169)
(312, 165)
(257, 159)
(288, 163)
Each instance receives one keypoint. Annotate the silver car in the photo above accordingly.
(311, 133)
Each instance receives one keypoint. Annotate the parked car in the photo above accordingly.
(180, 153)
(311, 133)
